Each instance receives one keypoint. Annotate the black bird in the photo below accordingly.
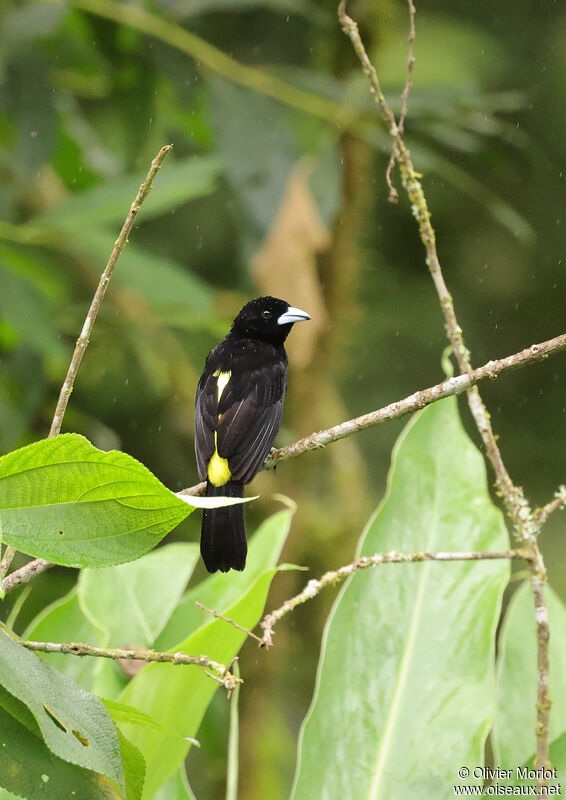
(238, 408)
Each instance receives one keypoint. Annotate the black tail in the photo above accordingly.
(223, 543)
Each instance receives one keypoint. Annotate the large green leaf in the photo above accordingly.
(28, 769)
(149, 589)
(514, 729)
(176, 788)
(162, 282)
(64, 621)
(405, 687)
(220, 591)
(108, 204)
(74, 724)
(134, 767)
(178, 697)
(64, 500)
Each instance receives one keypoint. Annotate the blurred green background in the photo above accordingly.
(276, 185)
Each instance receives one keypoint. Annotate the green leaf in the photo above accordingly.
(220, 591)
(74, 724)
(164, 284)
(28, 769)
(108, 204)
(28, 311)
(64, 621)
(259, 147)
(176, 788)
(149, 589)
(178, 698)
(306, 8)
(405, 686)
(64, 500)
(513, 734)
(121, 713)
(134, 767)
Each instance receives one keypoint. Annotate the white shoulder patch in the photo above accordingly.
(222, 379)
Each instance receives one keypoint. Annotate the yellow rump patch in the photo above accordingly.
(218, 470)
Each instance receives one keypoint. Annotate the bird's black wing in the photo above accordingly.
(247, 417)
(206, 420)
(250, 412)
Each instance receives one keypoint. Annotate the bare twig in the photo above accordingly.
(333, 577)
(408, 405)
(525, 522)
(6, 562)
(25, 574)
(119, 245)
(220, 672)
(229, 620)
(396, 410)
(556, 504)
(393, 194)
(34, 568)
(410, 67)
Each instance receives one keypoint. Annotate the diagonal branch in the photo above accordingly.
(400, 408)
(526, 524)
(333, 577)
(556, 504)
(39, 565)
(393, 194)
(119, 245)
(408, 405)
(220, 672)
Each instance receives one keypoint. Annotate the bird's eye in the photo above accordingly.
(266, 314)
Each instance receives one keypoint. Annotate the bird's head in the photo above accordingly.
(268, 318)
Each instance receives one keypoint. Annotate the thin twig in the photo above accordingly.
(333, 577)
(25, 574)
(233, 743)
(229, 620)
(6, 562)
(526, 525)
(556, 504)
(396, 410)
(393, 194)
(410, 404)
(410, 67)
(38, 566)
(222, 674)
(119, 245)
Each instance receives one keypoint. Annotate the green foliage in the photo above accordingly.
(74, 725)
(246, 89)
(158, 712)
(103, 206)
(63, 500)
(405, 688)
(63, 621)
(28, 769)
(178, 698)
